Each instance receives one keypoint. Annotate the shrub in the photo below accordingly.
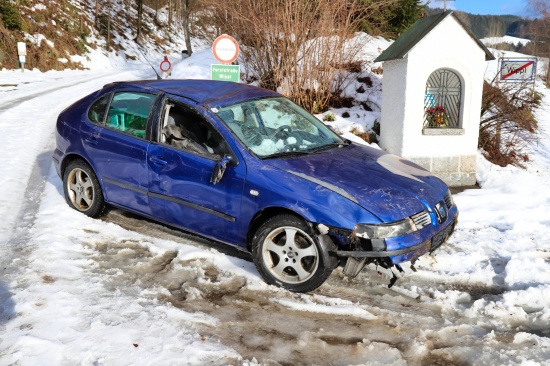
(507, 122)
(329, 117)
(369, 137)
(366, 106)
(294, 46)
(10, 16)
(365, 80)
(376, 127)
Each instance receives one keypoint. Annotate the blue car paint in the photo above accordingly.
(382, 193)
(224, 212)
(203, 92)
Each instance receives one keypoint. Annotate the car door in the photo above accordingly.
(114, 137)
(180, 171)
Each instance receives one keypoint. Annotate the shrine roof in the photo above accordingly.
(404, 43)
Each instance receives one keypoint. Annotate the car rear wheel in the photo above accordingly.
(287, 254)
(82, 189)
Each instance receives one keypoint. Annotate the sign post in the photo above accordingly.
(165, 67)
(22, 53)
(226, 51)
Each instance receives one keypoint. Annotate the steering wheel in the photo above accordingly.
(284, 132)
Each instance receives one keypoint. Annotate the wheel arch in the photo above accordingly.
(67, 160)
(262, 216)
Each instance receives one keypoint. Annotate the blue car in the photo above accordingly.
(248, 167)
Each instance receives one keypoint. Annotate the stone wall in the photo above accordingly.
(456, 171)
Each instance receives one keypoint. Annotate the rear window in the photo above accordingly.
(97, 111)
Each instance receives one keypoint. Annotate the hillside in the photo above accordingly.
(60, 34)
(484, 26)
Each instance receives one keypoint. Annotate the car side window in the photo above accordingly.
(191, 132)
(129, 112)
(97, 111)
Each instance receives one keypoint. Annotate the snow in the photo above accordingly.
(126, 291)
(493, 41)
(37, 39)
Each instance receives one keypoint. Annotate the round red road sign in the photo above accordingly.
(165, 65)
(225, 49)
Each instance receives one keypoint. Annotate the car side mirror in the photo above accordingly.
(219, 169)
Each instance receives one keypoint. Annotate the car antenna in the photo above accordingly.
(139, 49)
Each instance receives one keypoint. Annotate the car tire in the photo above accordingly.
(82, 189)
(287, 254)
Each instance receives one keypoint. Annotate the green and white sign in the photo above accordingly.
(226, 72)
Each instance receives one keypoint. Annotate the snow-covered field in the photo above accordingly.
(127, 291)
(493, 41)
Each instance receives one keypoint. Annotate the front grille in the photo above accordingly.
(448, 200)
(421, 219)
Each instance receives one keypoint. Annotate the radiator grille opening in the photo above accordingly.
(421, 219)
(448, 200)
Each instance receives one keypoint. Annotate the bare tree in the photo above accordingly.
(298, 47)
(539, 30)
(186, 28)
(157, 3)
(96, 12)
(140, 15)
(170, 9)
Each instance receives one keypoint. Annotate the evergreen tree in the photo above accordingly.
(391, 18)
(403, 15)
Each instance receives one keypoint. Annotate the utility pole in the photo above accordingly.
(444, 4)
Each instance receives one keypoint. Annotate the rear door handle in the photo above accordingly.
(158, 160)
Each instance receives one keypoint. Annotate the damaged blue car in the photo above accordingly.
(248, 167)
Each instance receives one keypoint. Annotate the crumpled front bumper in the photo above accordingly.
(408, 253)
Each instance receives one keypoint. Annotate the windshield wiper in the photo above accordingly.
(327, 147)
(287, 154)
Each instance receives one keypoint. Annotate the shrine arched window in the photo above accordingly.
(442, 100)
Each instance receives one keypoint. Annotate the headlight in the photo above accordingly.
(398, 228)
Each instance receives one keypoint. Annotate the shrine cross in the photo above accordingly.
(445, 3)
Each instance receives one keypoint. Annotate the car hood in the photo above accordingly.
(386, 185)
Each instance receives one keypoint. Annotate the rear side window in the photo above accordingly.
(97, 111)
(129, 112)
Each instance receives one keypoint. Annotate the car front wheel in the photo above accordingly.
(82, 189)
(287, 254)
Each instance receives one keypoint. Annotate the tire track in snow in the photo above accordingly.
(15, 102)
(37, 153)
(265, 323)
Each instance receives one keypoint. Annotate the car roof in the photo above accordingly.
(207, 92)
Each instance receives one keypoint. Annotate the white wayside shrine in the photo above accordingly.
(431, 97)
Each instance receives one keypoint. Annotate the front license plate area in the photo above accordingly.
(441, 237)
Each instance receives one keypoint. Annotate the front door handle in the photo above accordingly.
(158, 160)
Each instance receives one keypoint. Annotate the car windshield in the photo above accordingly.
(277, 127)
